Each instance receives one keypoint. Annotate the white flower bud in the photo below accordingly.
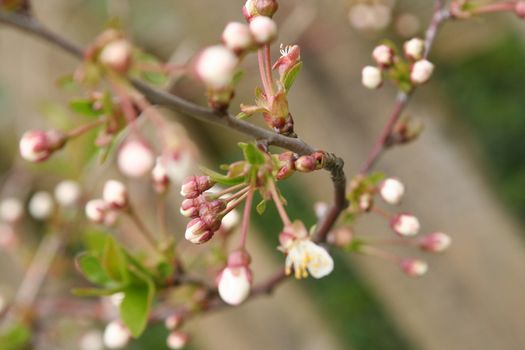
(414, 48)
(177, 340)
(174, 321)
(230, 220)
(371, 77)
(197, 231)
(99, 211)
(421, 71)
(263, 29)
(160, 177)
(115, 194)
(11, 210)
(116, 55)
(92, 340)
(135, 159)
(116, 335)
(235, 285)
(237, 37)
(392, 190)
(216, 66)
(436, 242)
(41, 205)
(67, 193)
(405, 225)
(414, 267)
(38, 145)
(383, 55)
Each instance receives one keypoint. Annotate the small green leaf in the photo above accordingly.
(237, 77)
(95, 240)
(136, 306)
(376, 177)
(290, 76)
(261, 207)
(243, 116)
(114, 261)
(92, 269)
(252, 154)
(222, 179)
(14, 337)
(84, 107)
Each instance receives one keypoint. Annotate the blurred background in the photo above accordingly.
(465, 175)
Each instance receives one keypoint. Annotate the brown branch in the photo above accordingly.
(333, 164)
(440, 15)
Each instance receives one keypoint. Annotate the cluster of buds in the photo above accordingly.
(217, 65)
(420, 69)
(38, 145)
(290, 162)
(206, 213)
(177, 339)
(105, 210)
(235, 280)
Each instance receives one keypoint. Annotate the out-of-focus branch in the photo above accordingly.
(440, 15)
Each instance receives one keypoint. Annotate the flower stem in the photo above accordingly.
(279, 204)
(380, 253)
(268, 66)
(85, 128)
(262, 71)
(142, 228)
(246, 218)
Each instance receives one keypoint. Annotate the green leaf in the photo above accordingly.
(237, 77)
(156, 78)
(252, 154)
(14, 337)
(85, 107)
(92, 269)
(376, 177)
(261, 207)
(290, 76)
(222, 179)
(136, 305)
(67, 82)
(114, 261)
(95, 240)
(243, 116)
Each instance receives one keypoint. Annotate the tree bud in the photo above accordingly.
(414, 267)
(436, 242)
(135, 159)
(254, 8)
(67, 193)
(414, 48)
(194, 186)
(37, 145)
(235, 284)
(215, 66)
(263, 29)
(371, 77)
(117, 56)
(115, 194)
(383, 55)
(392, 190)
(41, 206)
(405, 224)
(237, 37)
(421, 71)
(116, 335)
(11, 210)
(177, 340)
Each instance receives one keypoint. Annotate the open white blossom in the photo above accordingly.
(306, 257)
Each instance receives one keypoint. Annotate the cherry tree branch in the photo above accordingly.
(440, 15)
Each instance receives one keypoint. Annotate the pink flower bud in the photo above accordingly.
(421, 71)
(41, 206)
(263, 29)
(239, 258)
(11, 210)
(115, 194)
(194, 186)
(135, 159)
(173, 321)
(237, 37)
(67, 193)
(290, 55)
(392, 190)
(216, 66)
(340, 237)
(37, 145)
(198, 232)
(117, 55)
(436, 242)
(116, 335)
(371, 77)
(414, 48)
(414, 267)
(253, 8)
(306, 164)
(159, 175)
(520, 9)
(235, 284)
(98, 211)
(405, 224)
(177, 340)
(383, 55)
(190, 207)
